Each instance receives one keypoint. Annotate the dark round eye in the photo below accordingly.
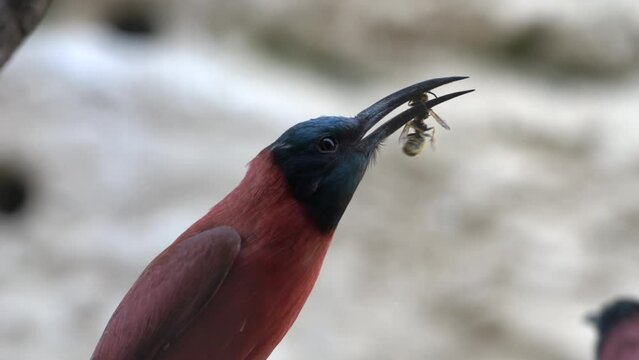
(327, 144)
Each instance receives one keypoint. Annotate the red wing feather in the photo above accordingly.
(168, 295)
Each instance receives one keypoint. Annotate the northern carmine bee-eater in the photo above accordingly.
(232, 284)
(618, 327)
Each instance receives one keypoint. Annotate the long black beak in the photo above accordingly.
(374, 113)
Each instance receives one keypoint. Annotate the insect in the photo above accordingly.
(413, 142)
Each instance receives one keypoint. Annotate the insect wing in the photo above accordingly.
(403, 136)
(439, 120)
(433, 145)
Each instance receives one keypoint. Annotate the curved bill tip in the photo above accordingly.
(371, 115)
(440, 99)
(402, 118)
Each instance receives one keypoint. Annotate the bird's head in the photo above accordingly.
(324, 159)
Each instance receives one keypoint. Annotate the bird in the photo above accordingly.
(618, 330)
(233, 283)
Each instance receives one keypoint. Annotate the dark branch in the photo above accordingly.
(18, 18)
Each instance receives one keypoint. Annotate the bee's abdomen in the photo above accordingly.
(414, 144)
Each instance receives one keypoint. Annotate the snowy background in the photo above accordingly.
(125, 121)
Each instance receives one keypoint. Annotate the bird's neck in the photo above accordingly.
(622, 342)
(263, 204)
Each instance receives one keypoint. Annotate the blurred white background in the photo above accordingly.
(122, 122)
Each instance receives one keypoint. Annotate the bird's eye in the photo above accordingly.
(327, 144)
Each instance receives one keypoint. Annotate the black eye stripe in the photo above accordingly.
(327, 144)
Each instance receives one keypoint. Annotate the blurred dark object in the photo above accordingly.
(18, 18)
(134, 20)
(13, 191)
(618, 328)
